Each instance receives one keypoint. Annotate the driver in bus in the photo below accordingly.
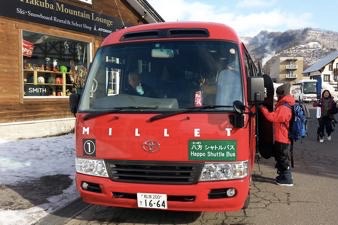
(136, 87)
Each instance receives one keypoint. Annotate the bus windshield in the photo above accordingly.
(164, 76)
(309, 88)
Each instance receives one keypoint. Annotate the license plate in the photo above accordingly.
(151, 200)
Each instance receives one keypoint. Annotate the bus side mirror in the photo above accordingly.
(256, 90)
(74, 100)
(239, 107)
(237, 119)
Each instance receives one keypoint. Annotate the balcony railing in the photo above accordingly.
(291, 67)
(290, 75)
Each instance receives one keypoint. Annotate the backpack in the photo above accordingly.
(298, 122)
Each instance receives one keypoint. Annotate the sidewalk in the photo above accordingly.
(36, 178)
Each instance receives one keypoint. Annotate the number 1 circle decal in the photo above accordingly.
(89, 147)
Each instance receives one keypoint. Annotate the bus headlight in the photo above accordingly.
(94, 167)
(224, 171)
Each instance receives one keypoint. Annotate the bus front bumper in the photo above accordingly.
(203, 196)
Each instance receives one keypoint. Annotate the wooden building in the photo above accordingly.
(46, 47)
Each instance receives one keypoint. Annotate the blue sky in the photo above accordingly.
(249, 17)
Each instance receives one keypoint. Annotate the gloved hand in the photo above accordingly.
(260, 107)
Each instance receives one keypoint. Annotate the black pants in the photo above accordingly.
(325, 122)
(281, 153)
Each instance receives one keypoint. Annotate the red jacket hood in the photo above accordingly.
(287, 99)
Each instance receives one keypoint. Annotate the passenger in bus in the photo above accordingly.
(228, 83)
(136, 87)
(176, 84)
(167, 84)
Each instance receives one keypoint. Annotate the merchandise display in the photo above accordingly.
(54, 68)
(41, 80)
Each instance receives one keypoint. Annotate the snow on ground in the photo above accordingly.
(29, 159)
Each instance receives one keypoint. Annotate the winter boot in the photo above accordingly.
(285, 178)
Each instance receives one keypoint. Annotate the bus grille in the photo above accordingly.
(154, 172)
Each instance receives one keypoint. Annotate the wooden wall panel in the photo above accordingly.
(35, 110)
(9, 68)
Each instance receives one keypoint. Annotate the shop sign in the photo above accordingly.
(27, 48)
(57, 13)
(36, 90)
(86, 1)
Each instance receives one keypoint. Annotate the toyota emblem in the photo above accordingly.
(151, 146)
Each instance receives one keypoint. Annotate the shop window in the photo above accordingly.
(53, 66)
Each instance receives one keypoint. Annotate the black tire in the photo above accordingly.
(247, 202)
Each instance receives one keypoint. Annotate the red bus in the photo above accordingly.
(166, 119)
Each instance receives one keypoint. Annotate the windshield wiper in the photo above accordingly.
(91, 115)
(136, 107)
(116, 109)
(187, 110)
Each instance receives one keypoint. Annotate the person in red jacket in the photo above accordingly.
(280, 118)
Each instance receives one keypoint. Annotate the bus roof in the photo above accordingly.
(170, 30)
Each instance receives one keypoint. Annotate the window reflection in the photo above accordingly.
(179, 74)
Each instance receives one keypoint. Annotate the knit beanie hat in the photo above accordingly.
(284, 89)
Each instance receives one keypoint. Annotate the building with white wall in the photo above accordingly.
(325, 70)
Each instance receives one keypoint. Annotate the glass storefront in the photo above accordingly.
(53, 66)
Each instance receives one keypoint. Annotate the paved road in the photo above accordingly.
(312, 201)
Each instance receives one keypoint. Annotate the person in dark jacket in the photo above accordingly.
(136, 87)
(280, 118)
(328, 109)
